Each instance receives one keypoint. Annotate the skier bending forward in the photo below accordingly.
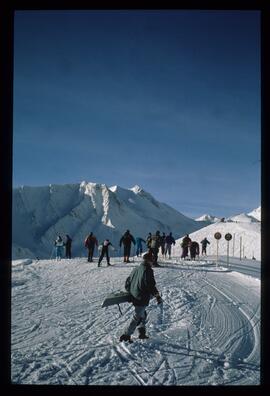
(141, 285)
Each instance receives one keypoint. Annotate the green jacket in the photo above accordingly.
(141, 284)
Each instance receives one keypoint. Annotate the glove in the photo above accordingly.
(159, 299)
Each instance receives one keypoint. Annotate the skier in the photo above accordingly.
(194, 249)
(141, 285)
(185, 243)
(204, 243)
(105, 251)
(148, 240)
(126, 239)
(139, 248)
(90, 243)
(163, 241)
(169, 241)
(59, 244)
(154, 247)
(68, 246)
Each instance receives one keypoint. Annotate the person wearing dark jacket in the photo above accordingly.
(169, 241)
(204, 243)
(163, 241)
(127, 239)
(185, 244)
(90, 243)
(105, 252)
(68, 246)
(194, 250)
(141, 285)
(154, 247)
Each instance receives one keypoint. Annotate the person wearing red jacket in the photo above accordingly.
(90, 243)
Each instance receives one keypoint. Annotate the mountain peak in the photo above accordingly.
(136, 189)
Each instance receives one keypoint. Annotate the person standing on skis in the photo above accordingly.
(169, 241)
(59, 244)
(185, 245)
(90, 243)
(105, 252)
(139, 247)
(68, 246)
(154, 247)
(204, 244)
(127, 239)
(163, 241)
(141, 285)
(194, 249)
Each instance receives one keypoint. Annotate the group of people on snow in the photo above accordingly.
(192, 247)
(154, 243)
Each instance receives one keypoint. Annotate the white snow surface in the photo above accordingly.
(256, 213)
(206, 332)
(246, 237)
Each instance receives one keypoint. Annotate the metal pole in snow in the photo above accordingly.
(217, 252)
(233, 244)
(227, 253)
(240, 248)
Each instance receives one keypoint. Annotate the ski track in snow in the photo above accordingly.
(206, 332)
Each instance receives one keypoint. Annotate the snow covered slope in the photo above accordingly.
(41, 213)
(256, 213)
(207, 331)
(250, 233)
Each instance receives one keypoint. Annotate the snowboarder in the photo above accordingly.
(185, 243)
(204, 243)
(90, 242)
(154, 247)
(194, 249)
(139, 247)
(105, 251)
(169, 241)
(59, 244)
(141, 285)
(163, 241)
(68, 246)
(126, 239)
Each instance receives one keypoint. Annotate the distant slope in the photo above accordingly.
(250, 233)
(41, 213)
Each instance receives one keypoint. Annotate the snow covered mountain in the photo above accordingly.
(208, 218)
(249, 232)
(242, 218)
(256, 213)
(41, 213)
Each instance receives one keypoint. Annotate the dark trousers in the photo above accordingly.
(127, 250)
(68, 252)
(104, 252)
(90, 253)
(154, 251)
(184, 252)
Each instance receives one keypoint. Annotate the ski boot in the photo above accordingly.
(142, 334)
(125, 337)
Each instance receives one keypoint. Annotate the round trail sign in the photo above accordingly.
(228, 236)
(217, 235)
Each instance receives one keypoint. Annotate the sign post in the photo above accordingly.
(240, 248)
(217, 237)
(228, 237)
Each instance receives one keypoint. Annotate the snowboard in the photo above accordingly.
(116, 298)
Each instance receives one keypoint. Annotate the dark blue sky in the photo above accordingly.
(168, 100)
